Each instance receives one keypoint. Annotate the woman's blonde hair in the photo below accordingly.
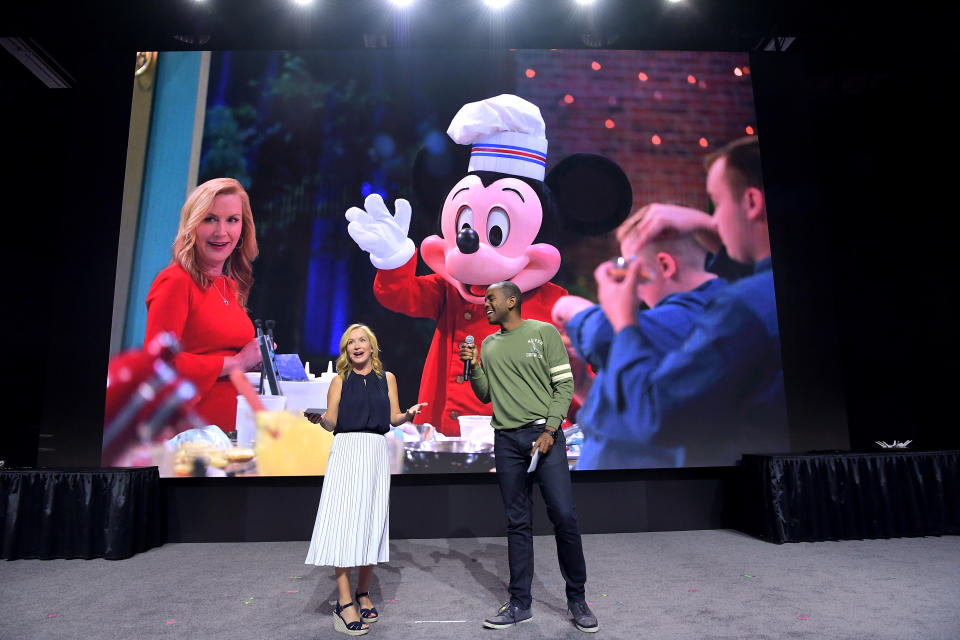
(238, 266)
(343, 362)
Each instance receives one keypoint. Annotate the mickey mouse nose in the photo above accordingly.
(468, 241)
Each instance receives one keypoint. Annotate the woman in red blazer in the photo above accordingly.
(201, 296)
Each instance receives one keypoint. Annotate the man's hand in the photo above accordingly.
(663, 221)
(468, 352)
(619, 297)
(566, 307)
(381, 234)
(544, 442)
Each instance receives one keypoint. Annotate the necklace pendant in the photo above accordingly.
(226, 302)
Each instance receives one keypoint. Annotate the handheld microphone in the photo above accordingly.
(467, 364)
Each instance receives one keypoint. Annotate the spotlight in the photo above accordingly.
(401, 3)
(585, 3)
(496, 4)
(302, 3)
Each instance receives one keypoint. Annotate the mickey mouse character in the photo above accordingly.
(493, 223)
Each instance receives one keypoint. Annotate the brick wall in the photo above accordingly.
(717, 106)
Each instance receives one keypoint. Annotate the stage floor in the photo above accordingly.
(664, 585)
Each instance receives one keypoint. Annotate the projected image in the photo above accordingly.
(286, 197)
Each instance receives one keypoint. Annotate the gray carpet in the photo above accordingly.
(688, 584)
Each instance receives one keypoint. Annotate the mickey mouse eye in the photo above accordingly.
(464, 218)
(498, 227)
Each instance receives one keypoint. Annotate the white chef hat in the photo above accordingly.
(507, 134)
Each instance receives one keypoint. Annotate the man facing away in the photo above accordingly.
(675, 287)
(525, 373)
(720, 393)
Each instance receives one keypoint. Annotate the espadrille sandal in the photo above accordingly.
(357, 628)
(367, 615)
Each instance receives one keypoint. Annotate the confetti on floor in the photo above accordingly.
(590, 603)
(171, 622)
(296, 577)
(604, 595)
(291, 591)
(393, 601)
(51, 615)
(747, 575)
(436, 621)
(693, 590)
(803, 617)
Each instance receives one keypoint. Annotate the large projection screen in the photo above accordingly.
(310, 134)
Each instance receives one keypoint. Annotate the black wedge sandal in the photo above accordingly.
(357, 628)
(367, 615)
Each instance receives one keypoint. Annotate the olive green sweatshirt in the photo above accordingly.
(526, 373)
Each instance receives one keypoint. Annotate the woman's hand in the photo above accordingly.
(248, 359)
(414, 410)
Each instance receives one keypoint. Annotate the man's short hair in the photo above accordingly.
(685, 248)
(742, 169)
(510, 289)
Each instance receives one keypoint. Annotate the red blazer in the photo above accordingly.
(207, 330)
(431, 296)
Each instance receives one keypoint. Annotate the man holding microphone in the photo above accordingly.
(525, 373)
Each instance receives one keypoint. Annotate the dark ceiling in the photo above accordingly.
(622, 24)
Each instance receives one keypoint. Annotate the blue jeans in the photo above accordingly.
(512, 452)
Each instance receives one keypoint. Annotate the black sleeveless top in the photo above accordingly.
(364, 405)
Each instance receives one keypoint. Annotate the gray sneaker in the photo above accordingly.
(583, 617)
(508, 615)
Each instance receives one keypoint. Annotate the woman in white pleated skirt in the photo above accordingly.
(352, 527)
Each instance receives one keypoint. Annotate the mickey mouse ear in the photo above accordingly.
(592, 193)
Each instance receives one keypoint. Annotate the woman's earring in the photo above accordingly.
(240, 242)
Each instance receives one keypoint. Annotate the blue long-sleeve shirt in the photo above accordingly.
(613, 437)
(721, 393)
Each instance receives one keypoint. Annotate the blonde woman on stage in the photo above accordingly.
(352, 527)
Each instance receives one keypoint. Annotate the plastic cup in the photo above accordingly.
(476, 428)
(246, 424)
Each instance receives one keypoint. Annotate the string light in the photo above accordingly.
(568, 99)
(749, 130)
(692, 79)
(596, 66)
(530, 73)
(609, 124)
(704, 142)
(643, 77)
(737, 71)
(656, 139)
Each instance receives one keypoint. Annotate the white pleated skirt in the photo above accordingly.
(353, 520)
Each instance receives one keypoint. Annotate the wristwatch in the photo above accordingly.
(552, 434)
